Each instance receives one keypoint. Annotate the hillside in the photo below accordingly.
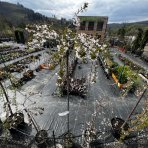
(17, 14)
(119, 25)
(143, 24)
(131, 28)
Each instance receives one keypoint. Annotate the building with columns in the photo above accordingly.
(93, 25)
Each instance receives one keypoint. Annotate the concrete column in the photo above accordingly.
(104, 25)
(86, 25)
(95, 26)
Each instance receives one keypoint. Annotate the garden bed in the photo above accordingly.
(117, 81)
(125, 77)
(134, 66)
(11, 53)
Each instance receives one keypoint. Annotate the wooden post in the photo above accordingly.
(54, 142)
(67, 71)
(7, 99)
(34, 124)
(133, 109)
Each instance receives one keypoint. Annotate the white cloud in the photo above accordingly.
(117, 10)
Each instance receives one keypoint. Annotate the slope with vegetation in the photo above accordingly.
(16, 15)
(130, 27)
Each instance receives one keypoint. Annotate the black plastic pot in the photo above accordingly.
(1, 127)
(117, 127)
(69, 141)
(41, 139)
(17, 127)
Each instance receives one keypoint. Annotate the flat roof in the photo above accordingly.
(93, 18)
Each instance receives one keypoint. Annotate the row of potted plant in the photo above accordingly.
(133, 66)
(17, 66)
(7, 48)
(11, 53)
(124, 76)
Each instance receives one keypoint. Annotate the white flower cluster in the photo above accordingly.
(76, 20)
(40, 34)
(87, 44)
(82, 46)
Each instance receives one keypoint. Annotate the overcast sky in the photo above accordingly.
(117, 10)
